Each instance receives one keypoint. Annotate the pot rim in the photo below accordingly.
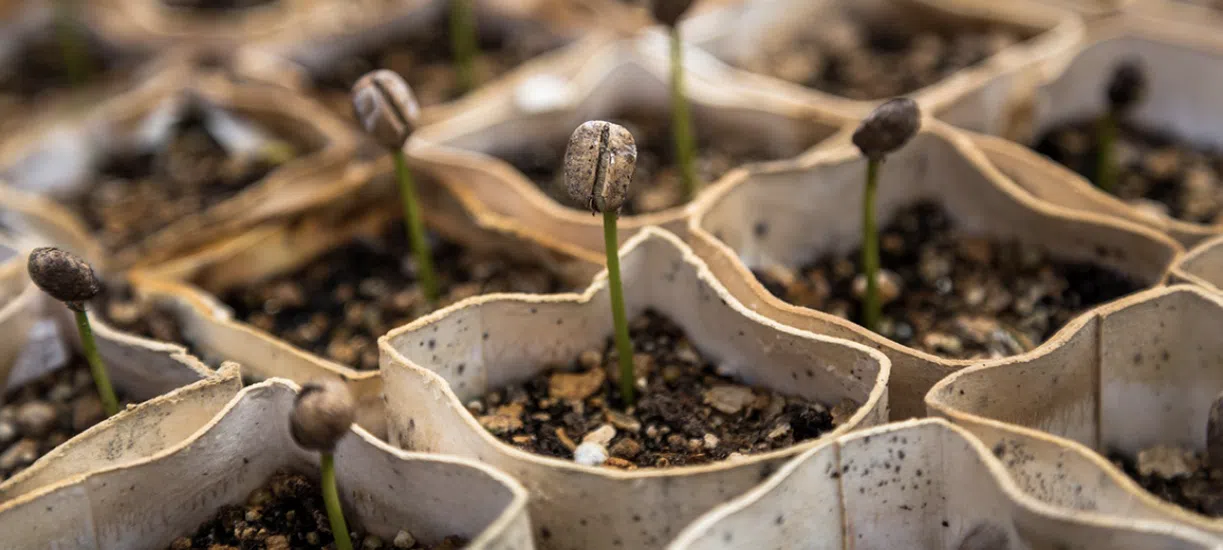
(1184, 269)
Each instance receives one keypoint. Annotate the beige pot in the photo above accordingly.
(966, 99)
(945, 487)
(812, 207)
(483, 343)
(58, 160)
(155, 24)
(1202, 265)
(138, 432)
(1132, 374)
(1173, 52)
(20, 307)
(1095, 9)
(589, 83)
(150, 502)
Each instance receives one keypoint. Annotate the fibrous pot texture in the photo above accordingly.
(1202, 265)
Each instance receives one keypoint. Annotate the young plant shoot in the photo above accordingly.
(69, 279)
(386, 109)
(881, 133)
(669, 12)
(463, 43)
(1125, 90)
(599, 165)
(322, 414)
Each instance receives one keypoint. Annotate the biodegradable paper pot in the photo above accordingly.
(626, 75)
(20, 304)
(790, 214)
(1139, 372)
(1202, 265)
(919, 484)
(1172, 53)
(484, 343)
(148, 503)
(142, 431)
(966, 98)
(158, 23)
(60, 160)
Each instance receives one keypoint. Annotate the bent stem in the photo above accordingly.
(416, 228)
(463, 44)
(681, 120)
(100, 379)
(624, 347)
(76, 65)
(1106, 138)
(331, 499)
(870, 249)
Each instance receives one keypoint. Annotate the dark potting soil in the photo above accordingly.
(120, 308)
(135, 195)
(338, 305)
(862, 62)
(1179, 476)
(287, 513)
(656, 181)
(424, 60)
(40, 66)
(954, 295)
(687, 413)
(45, 413)
(1154, 168)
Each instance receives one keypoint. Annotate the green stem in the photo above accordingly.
(415, 224)
(331, 499)
(100, 379)
(463, 44)
(76, 65)
(1106, 138)
(681, 120)
(871, 309)
(624, 346)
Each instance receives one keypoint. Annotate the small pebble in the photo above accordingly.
(590, 454)
(404, 540)
(36, 418)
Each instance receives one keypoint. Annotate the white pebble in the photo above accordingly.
(590, 454)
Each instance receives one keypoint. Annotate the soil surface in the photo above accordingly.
(39, 67)
(953, 295)
(687, 413)
(135, 195)
(338, 305)
(288, 513)
(1156, 171)
(1179, 476)
(46, 412)
(858, 61)
(424, 60)
(120, 308)
(656, 181)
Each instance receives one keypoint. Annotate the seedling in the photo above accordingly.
(669, 12)
(599, 165)
(881, 133)
(69, 279)
(71, 43)
(385, 107)
(322, 414)
(1125, 90)
(463, 43)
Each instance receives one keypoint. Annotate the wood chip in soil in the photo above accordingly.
(656, 183)
(1177, 475)
(339, 304)
(1156, 172)
(288, 513)
(855, 60)
(686, 414)
(950, 294)
(44, 413)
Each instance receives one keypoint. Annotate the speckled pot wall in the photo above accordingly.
(1135, 373)
(802, 207)
(148, 503)
(919, 484)
(482, 343)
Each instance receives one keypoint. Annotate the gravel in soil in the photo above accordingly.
(120, 308)
(135, 195)
(288, 513)
(338, 305)
(953, 295)
(858, 61)
(1156, 172)
(1177, 475)
(45, 413)
(686, 414)
(656, 181)
(424, 60)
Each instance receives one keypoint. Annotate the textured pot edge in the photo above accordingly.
(1184, 270)
(999, 474)
(875, 398)
(967, 420)
(147, 23)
